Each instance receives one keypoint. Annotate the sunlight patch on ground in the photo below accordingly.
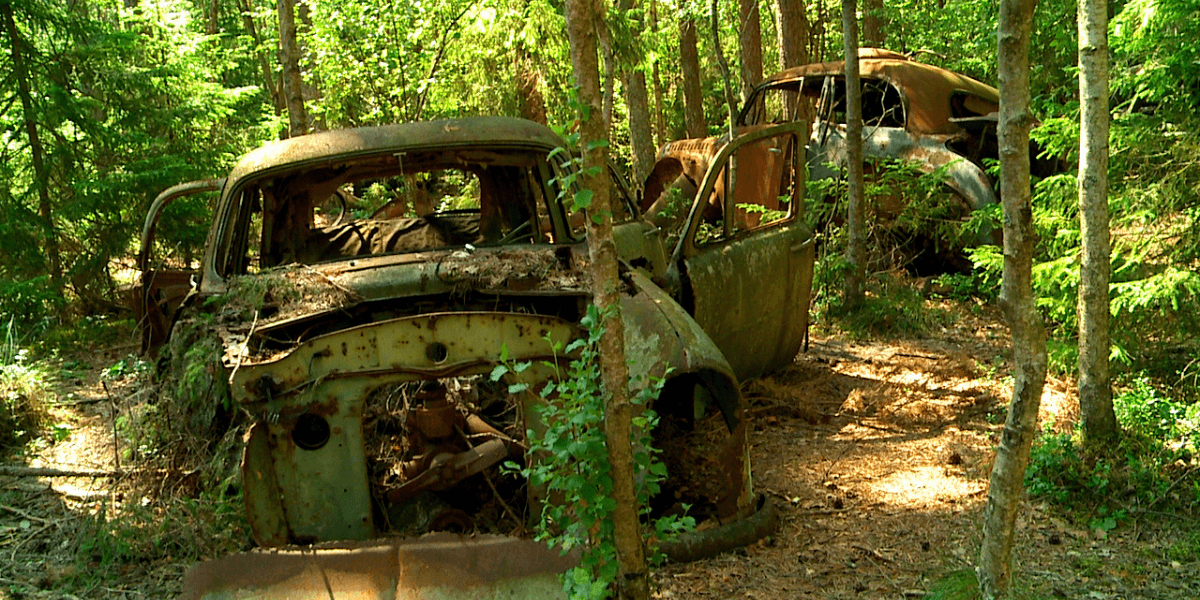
(922, 486)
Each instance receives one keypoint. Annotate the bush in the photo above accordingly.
(24, 391)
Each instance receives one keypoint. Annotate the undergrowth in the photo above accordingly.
(894, 305)
(25, 392)
(180, 527)
(1151, 471)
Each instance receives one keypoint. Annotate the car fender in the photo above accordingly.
(662, 340)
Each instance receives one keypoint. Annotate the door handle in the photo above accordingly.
(802, 246)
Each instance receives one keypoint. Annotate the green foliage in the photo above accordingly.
(137, 534)
(29, 303)
(1156, 60)
(1151, 467)
(25, 392)
(893, 306)
(573, 467)
(128, 102)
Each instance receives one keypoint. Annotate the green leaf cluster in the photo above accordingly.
(570, 467)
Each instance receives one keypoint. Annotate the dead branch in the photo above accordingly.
(22, 471)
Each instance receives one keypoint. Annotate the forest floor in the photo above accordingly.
(876, 454)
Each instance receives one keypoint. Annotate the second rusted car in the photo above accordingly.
(932, 118)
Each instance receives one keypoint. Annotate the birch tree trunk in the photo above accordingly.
(584, 20)
(293, 84)
(689, 65)
(1016, 300)
(1095, 386)
(856, 231)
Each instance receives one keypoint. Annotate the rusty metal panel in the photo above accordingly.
(312, 399)
(434, 567)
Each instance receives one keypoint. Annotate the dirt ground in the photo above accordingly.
(876, 455)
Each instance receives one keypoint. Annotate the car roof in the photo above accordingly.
(340, 144)
(927, 88)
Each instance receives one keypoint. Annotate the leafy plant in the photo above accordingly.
(24, 391)
(573, 470)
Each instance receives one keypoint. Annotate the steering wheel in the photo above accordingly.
(342, 205)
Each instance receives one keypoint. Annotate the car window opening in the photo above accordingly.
(398, 204)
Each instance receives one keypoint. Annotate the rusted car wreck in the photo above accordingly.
(358, 337)
(935, 119)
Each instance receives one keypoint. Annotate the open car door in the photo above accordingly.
(161, 286)
(746, 270)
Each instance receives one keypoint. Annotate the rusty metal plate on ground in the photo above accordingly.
(433, 567)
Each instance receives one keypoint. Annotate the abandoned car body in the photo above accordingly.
(934, 119)
(360, 346)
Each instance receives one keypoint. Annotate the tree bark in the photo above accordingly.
(584, 20)
(856, 231)
(730, 99)
(293, 83)
(689, 65)
(1095, 386)
(873, 24)
(529, 92)
(1016, 300)
(610, 69)
(660, 121)
(793, 33)
(638, 100)
(793, 45)
(750, 45)
(37, 151)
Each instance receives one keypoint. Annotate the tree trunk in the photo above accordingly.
(660, 121)
(529, 91)
(856, 231)
(37, 151)
(610, 69)
(873, 24)
(793, 33)
(268, 75)
(730, 99)
(1095, 387)
(1016, 300)
(750, 45)
(293, 84)
(793, 45)
(638, 101)
(689, 65)
(584, 18)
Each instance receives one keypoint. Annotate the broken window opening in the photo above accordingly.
(407, 202)
(882, 102)
(764, 182)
